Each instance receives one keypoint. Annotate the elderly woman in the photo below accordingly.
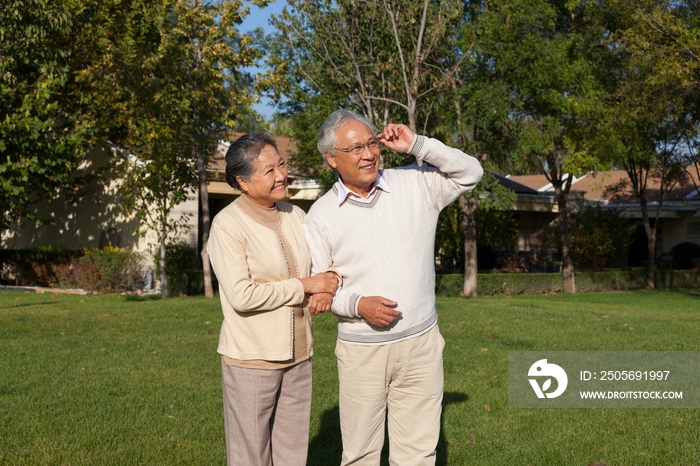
(260, 257)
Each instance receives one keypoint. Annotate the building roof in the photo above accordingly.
(512, 184)
(285, 145)
(614, 186)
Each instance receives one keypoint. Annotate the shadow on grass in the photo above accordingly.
(141, 298)
(44, 303)
(326, 448)
(691, 293)
(448, 398)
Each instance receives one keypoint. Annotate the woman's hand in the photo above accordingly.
(320, 302)
(326, 282)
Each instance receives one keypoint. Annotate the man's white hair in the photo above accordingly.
(327, 139)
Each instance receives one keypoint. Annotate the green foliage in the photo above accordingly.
(651, 124)
(545, 53)
(496, 228)
(46, 120)
(33, 267)
(111, 270)
(119, 269)
(596, 233)
(305, 118)
(185, 87)
(537, 283)
(184, 270)
(389, 63)
(684, 253)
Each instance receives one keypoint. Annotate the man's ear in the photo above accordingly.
(331, 160)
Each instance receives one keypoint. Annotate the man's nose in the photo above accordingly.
(367, 153)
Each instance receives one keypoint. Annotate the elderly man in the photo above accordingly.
(377, 228)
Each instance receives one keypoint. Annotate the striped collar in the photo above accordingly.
(344, 192)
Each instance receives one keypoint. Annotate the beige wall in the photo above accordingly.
(680, 230)
(532, 225)
(81, 224)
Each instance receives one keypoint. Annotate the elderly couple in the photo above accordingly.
(364, 252)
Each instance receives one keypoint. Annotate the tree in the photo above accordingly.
(545, 53)
(157, 165)
(647, 150)
(477, 218)
(46, 121)
(395, 62)
(596, 233)
(474, 115)
(181, 88)
(656, 106)
(489, 195)
(213, 54)
(154, 185)
(388, 63)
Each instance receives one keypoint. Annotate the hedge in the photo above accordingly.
(533, 283)
(33, 267)
(109, 269)
(183, 267)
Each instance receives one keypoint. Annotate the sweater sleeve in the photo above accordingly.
(345, 301)
(456, 171)
(227, 253)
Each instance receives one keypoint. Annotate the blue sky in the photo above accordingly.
(258, 17)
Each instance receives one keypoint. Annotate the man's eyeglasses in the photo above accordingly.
(357, 149)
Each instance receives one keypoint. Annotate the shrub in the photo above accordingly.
(33, 267)
(684, 253)
(596, 234)
(533, 283)
(183, 268)
(109, 270)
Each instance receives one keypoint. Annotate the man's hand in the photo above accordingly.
(320, 302)
(397, 137)
(377, 311)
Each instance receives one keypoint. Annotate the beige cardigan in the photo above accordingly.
(256, 292)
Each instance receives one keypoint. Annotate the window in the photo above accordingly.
(111, 236)
(693, 228)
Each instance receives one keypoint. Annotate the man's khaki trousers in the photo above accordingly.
(401, 382)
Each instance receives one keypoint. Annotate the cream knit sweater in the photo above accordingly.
(256, 291)
(384, 245)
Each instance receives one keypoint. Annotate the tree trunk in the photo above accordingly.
(412, 116)
(2, 217)
(565, 225)
(161, 261)
(206, 224)
(651, 249)
(651, 263)
(467, 211)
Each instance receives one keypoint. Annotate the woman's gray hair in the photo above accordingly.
(241, 155)
(327, 139)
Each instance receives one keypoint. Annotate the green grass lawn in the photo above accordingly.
(114, 380)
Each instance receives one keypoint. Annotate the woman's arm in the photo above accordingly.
(226, 248)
